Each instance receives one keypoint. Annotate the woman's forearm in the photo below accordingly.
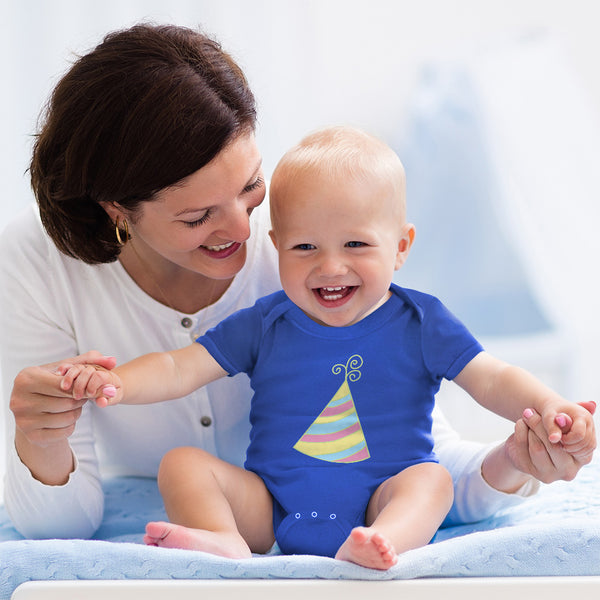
(499, 471)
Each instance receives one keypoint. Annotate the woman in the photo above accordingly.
(149, 188)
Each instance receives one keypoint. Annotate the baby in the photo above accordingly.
(344, 366)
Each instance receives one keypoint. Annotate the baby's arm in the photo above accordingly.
(509, 391)
(150, 378)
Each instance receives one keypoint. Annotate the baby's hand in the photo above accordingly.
(90, 381)
(572, 427)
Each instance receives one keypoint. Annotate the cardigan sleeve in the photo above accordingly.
(34, 333)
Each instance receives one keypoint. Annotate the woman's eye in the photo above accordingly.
(355, 244)
(254, 185)
(203, 219)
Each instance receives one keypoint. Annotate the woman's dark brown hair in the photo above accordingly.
(147, 107)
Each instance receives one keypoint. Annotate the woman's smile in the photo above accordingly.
(221, 250)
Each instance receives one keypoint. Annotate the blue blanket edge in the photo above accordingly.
(555, 533)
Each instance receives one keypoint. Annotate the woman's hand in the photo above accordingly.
(527, 453)
(45, 417)
(532, 453)
(44, 412)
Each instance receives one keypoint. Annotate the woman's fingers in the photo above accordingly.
(589, 405)
(94, 357)
(45, 412)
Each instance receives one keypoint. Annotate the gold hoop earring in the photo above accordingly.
(120, 240)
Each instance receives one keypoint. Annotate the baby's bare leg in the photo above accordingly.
(404, 513)
(213, 506)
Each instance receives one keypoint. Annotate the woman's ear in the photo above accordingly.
(404, 245)
(113, 210)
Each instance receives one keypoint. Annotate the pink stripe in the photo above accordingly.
(331, 411)
(330, 437)
(360, 455)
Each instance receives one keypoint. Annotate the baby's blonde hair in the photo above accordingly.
(340, 151)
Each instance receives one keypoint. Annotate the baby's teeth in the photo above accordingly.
(333, 295)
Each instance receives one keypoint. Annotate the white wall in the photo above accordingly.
(311, 62)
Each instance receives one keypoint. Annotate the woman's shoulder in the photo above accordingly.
(25, 223)
(27, 250)
(24, 237)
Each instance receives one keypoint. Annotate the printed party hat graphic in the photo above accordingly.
(336, 434)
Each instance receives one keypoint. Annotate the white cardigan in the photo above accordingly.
(53, 307)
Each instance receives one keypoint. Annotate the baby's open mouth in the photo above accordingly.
(331, 294)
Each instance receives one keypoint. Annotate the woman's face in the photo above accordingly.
(202, 223)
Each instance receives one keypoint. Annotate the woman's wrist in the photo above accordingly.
(499, 471)
(50, 465)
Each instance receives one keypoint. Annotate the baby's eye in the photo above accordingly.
(304, 247)
(355, 244)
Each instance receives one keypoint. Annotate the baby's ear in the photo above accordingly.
(273, 238)
(404, 245)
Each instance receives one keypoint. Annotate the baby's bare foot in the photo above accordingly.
(169, 535)
(365, 547)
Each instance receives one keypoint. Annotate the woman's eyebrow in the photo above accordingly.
(186, 211)
(255, 172)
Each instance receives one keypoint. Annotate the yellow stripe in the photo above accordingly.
(332, 418)
(343, 390)
(317, 448)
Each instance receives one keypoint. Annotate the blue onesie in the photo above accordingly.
(338, 410)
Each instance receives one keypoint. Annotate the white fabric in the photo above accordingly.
(53, 307)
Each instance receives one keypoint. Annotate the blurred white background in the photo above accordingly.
(493, 105)
(310, 62)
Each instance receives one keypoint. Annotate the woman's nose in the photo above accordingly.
(236, 223)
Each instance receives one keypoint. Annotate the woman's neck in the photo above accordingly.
(178, 288)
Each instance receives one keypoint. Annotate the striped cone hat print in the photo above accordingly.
(336, 434)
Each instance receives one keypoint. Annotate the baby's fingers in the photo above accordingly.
(581, 439)
(63, 368)
(84, 385)
(553, 429)
(69, 373)
(564, 421)
(107, 396)
(97, 380)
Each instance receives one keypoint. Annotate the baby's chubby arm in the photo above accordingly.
(150, 378)
(509, 391)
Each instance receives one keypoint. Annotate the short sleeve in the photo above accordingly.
(235, 341)
(447, 344)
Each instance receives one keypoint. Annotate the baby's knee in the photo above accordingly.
(441, 480)
(180, 459)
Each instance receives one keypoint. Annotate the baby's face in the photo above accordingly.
(339, 243)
